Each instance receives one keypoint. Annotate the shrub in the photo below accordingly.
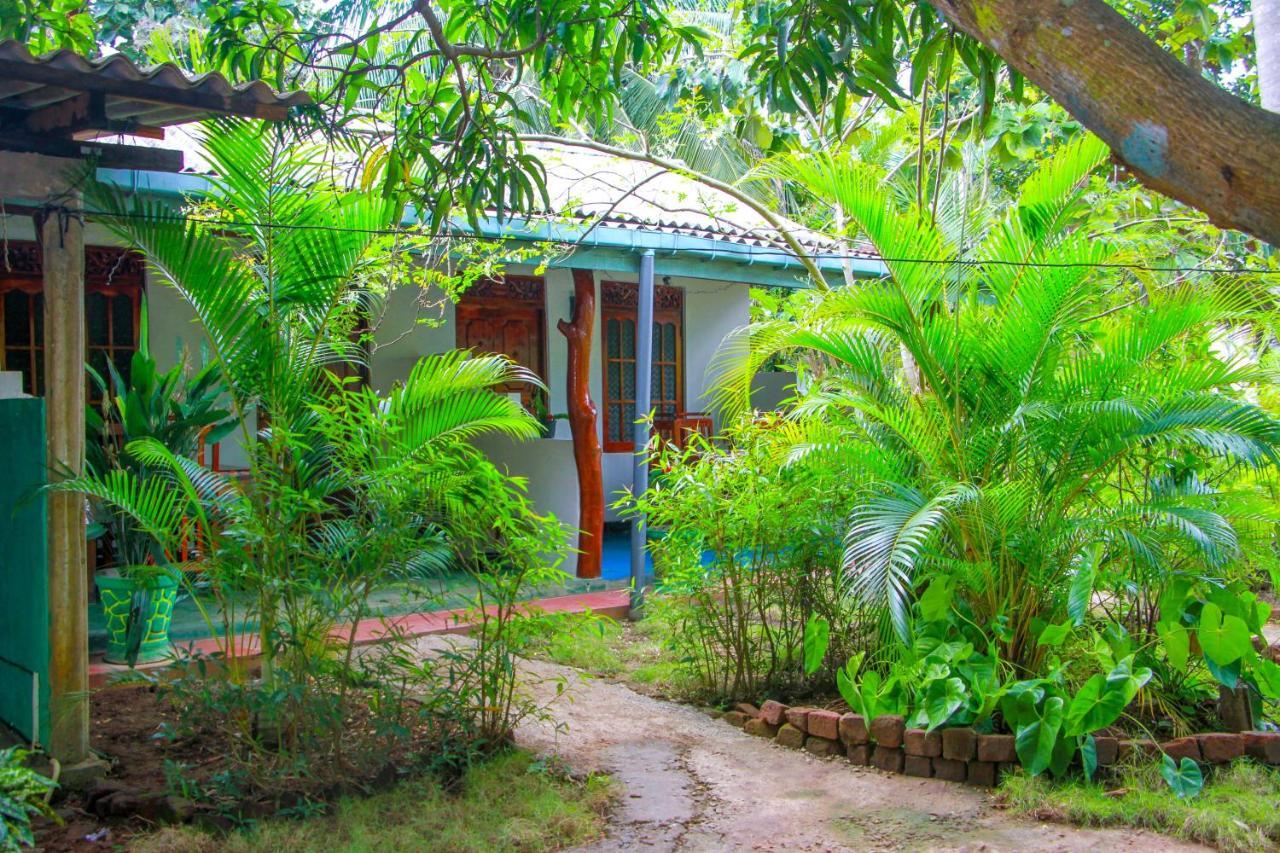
(747, 548)
(23, 795)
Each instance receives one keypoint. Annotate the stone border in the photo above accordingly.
(960, 754)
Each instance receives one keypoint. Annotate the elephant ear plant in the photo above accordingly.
(174, 408)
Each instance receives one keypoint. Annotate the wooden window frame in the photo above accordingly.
(508, 291)
(618, 301)
(108, 269)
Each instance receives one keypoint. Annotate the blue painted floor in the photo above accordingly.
(615, 563)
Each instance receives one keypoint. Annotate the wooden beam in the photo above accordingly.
(233, 103)
(61, 233)
(109, 156)
(582, 424)
(74, 116)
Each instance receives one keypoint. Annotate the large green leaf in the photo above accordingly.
(1102, 699)
(1054, 635)
(1224, 639)
(1184, 779)
(817, 637)
(942, 699)
(1267, 676)
(936, 601)
(1036, 740)
(1177, 643)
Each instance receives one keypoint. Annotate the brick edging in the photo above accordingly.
(960, 754)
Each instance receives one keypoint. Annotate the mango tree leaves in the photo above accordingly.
(1224, 639)
(1184, 779)
(817, 637)
(1036, 740)
(1103, 699)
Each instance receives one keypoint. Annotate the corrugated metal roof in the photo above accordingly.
(63, 92)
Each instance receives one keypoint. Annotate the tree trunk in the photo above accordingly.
(1176, 131)
(1266, 33)
(582, 423)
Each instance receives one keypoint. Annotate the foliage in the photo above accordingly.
(740, 577)
(172, 408)
(444, 80)
(347, 490)
(23, 795)
(512, 802)
(998, 422)
(1234, 811)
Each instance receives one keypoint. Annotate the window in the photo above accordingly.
(618, 316)
(507, 316)
(113, 293)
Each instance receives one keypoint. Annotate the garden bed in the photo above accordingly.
(150, 772)
(960, 754)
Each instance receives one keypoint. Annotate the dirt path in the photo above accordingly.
(692, 783)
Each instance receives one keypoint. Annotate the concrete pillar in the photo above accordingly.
(61, 231)
(644, 415)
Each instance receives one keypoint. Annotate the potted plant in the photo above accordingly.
(138, 591)
(544, 416)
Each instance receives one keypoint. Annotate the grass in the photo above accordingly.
(630, 652)
(1237, 810)
(513, 802)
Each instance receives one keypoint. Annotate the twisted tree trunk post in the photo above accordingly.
(582, 424)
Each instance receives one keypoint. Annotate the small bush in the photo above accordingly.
(22, 797)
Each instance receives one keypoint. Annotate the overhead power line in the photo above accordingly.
(727, 249)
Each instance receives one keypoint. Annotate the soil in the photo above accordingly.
(125, 724)
(693, 783)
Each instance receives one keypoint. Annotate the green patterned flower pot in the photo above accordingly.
(160, 591)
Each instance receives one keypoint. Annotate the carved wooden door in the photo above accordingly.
(497, 323)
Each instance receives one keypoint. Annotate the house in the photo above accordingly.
(60, 303)
(707, 248)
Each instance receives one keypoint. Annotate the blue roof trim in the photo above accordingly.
(606, 247)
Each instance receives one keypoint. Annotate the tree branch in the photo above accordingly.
(775, 221)
(1178, 133)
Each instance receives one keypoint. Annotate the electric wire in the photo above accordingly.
(730, 249)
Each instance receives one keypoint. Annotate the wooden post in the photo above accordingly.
(61, 232)
(582, 424)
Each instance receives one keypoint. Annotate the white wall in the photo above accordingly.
(712, 310)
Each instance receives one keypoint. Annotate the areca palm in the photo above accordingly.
(1043, 424)
(340, 494)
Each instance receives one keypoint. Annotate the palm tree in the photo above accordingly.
(341, 487)
(1049, 437)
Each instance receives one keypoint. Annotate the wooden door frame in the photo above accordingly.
(509, 291)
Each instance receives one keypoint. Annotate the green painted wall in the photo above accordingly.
(24, 573)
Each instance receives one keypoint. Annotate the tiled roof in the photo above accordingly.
(32, 87)
(619, 192)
